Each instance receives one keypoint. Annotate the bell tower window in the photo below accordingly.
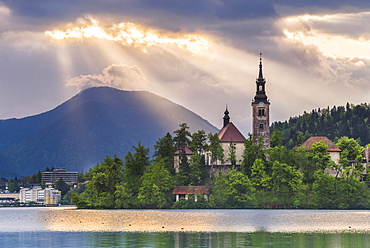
(261, 125)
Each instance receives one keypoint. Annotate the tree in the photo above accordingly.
(260, 178)
(62, 186)
(182, 140)
(232, 153)
(351, 153)
(318, 160)
(299, 139)
(276, 138)
(251, 153)
(197, 168)
(104, 180)
(13, 186)
(215, 148)
(156, 187)
(220, 197)
(135, 165)
(285, 180)
(198, 143)
(164, 149)
(197, 172)
(182, 137)
(345, 192)
(240, 189)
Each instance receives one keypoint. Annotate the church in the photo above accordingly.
(231, 139)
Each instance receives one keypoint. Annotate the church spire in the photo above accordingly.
(226, 117)
(260, 83)
(261, 111)
(260, 76)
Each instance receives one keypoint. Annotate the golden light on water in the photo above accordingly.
(135, 35)
(331, 34)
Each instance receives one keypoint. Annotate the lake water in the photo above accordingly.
(70, 227)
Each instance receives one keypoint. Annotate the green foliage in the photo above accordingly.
(260, 178)
(191, 203)
(352, 121)
(35, 178)
(343, 192)
(135, 165)
(276, 138)
(215, 148)
(252, 152)
(233, 191)
(157, 186)
(62, 186)
(318, 160)
(164, 150)
(13, 186)
(104, 178)
(267, 178)
(67, 199)
(197, 170)
(182, 137)
(232, 153)
(351, 155)
(198, 143)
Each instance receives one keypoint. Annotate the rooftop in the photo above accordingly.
(230, 133)
(314, 139)
(184, 190)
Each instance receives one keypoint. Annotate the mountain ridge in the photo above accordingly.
(94, 123)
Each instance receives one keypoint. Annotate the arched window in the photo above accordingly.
(261, 125)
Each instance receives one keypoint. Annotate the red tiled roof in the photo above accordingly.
(184, 190)
(187, 151)
(314, 139)
(230, 133)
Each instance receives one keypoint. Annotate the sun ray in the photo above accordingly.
(131, 34)
(312, 30)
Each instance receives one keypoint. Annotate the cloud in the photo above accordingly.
(301, 73)
(118, 76)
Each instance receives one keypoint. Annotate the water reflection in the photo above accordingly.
(69, 227)
(74, 220)
(182, 239)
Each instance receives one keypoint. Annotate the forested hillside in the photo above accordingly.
(351, 121)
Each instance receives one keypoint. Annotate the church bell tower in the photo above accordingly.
(261, 111)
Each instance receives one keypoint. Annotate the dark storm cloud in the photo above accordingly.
(173, 14)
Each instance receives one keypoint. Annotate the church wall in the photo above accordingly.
(239, 150)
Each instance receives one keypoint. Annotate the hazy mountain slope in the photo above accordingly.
(95, 123)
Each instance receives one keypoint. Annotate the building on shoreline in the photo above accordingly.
(47, 196)
(49, 177)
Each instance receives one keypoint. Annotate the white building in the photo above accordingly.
(39, 195)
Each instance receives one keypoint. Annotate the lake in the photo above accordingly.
(70, 227)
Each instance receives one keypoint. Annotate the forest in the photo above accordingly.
(277, 177)
(350, 120)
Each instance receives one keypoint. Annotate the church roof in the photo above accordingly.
(187, 151)
(230, 133)
(184, 190)
(314, 139)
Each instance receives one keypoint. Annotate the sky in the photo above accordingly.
(201, 54)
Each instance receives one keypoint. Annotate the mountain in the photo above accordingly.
(83, 130)
(351, 120)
